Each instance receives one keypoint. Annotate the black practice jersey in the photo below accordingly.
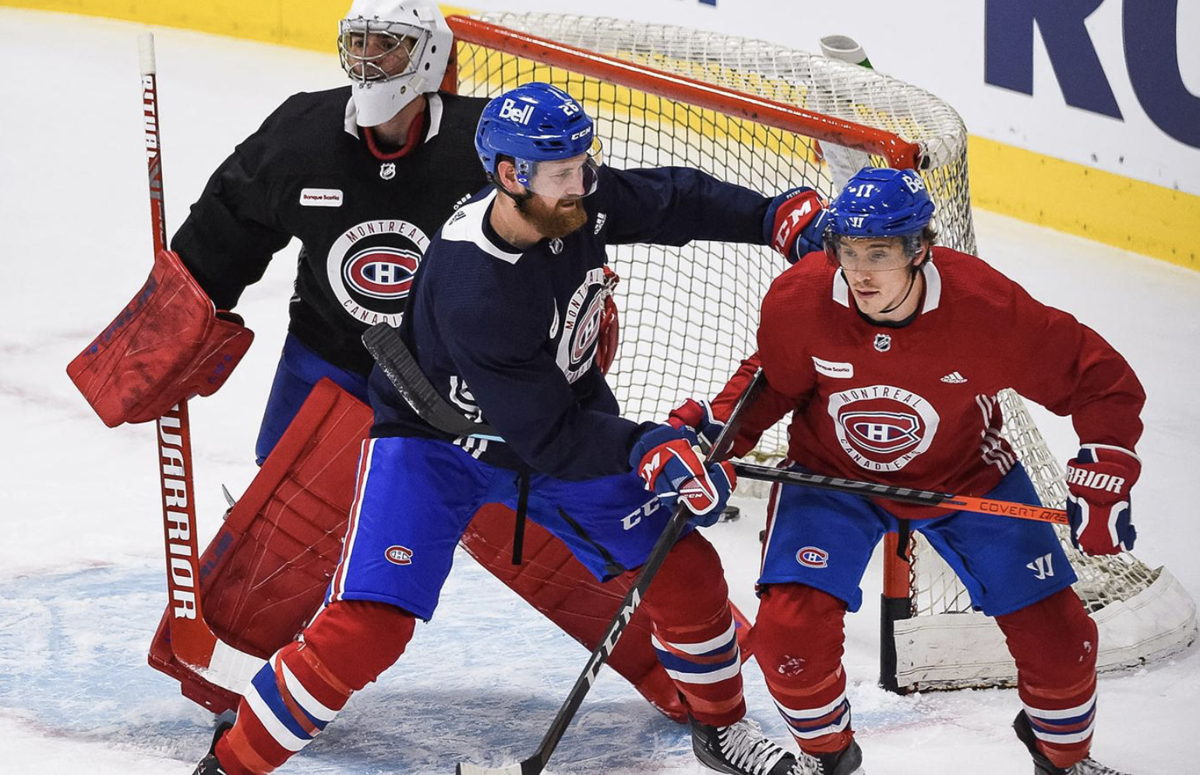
(509, 336)
(364, 218)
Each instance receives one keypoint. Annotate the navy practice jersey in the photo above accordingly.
(509, 337)
(364, 217)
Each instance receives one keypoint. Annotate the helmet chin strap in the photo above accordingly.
(913, 269)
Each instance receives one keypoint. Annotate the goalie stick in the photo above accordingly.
(388, 349)
(192, 640)
(944, 500)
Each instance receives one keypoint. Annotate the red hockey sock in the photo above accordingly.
(797, 641)
(694, 633)
(306, 683)
(1054, 644)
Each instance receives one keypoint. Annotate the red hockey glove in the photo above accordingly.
(669, 461)
(167, 345)
(696, 416)
(1098, 480)
(610, 324)
(795, 223)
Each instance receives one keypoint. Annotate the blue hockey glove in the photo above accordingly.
(795, 223)
(1098, 483)
(669, 461)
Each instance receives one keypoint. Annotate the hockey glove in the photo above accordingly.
(696, 416)
(1098, 483)
(669, 461)
(795, 223)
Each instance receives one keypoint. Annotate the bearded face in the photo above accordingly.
(553, 219)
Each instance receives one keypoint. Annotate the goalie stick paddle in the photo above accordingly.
(944, 500)
(192, 640)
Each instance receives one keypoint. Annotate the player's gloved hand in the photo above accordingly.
(795, 223)
(1098, 481)
(668, 459)
(697, 417)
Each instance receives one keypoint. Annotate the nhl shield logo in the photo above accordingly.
(387, 171)
(556, 246)
(883, 342)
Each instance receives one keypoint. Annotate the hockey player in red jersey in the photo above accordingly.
(363, 176)
(890, 351)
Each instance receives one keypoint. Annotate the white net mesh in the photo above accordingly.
(689, 315)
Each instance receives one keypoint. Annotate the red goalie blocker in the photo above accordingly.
(266, 571)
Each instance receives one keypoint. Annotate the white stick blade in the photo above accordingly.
(465, 768)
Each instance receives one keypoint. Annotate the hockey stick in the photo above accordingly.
(192, 641)
(944, 500)
(385, 345)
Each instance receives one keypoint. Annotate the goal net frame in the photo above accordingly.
(771, 118)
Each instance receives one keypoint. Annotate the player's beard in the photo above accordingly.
(553, 221)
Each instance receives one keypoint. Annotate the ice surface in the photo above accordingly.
(81, 584)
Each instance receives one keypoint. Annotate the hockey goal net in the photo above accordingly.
(770, 118)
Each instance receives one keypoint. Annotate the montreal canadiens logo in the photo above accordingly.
(398, 555)
(813, 557)
(370, 268)
(581, 326)
(882, 427)
(383, 272)
(883, 432)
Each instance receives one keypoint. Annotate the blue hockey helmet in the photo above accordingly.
(535, 123)
(881, 202)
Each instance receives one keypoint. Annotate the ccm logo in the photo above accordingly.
(813, 557)
(398, 555)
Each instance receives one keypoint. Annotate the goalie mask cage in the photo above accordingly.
(770, 118)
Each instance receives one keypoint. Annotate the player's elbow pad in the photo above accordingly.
(168, 345)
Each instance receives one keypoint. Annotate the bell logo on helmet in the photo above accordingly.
(510, 111)
(914, 182)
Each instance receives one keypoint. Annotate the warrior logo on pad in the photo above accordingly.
(882, 427)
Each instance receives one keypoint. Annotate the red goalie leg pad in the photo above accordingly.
(798, 641)
(302, 688)
(695, 634)
(266, 571)
(1054, 644)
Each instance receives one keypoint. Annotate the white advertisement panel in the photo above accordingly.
(1111, 84)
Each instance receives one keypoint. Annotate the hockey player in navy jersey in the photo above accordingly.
(890, 354)
(503, 319)
(362, 176)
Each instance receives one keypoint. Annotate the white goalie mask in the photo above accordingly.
(393, 51)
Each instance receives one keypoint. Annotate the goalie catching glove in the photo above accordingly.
(1098, 483)
(167, 345)
(795, 223)
(669, 461)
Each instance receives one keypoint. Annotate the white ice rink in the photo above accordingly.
(81, 585)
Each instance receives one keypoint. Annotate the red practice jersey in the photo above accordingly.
(917, 405)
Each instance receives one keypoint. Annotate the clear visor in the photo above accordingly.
(869, 254)
(373, 50)
(572, 178)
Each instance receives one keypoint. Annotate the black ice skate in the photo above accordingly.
(209, 764)
(1043, 766)
(739, 749)
(847, 761)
